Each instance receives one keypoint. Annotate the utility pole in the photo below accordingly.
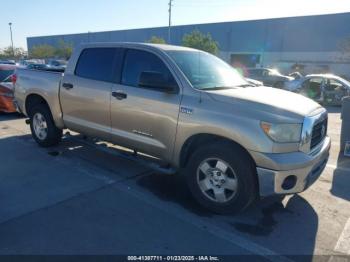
(169, 28)
(13, 49)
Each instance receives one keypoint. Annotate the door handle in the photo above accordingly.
(67, 86)
(119, 95)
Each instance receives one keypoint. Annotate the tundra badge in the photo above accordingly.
(186, 110)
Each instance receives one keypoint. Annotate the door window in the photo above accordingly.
(312, 87)
(334, 85)
(101, 64)
(138, 61)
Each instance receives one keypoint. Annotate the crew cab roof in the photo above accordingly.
(163, 47)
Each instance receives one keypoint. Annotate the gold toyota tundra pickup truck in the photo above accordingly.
(233, 142)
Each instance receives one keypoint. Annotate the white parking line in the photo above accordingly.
(343, 243)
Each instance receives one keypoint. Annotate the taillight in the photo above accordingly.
(14, 79)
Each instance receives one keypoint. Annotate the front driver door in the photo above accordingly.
(143, 118)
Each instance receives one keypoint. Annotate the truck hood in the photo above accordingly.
(267, 99)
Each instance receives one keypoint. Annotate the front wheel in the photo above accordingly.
(43, 128)
(222, 178)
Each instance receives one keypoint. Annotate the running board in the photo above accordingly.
(164, 169)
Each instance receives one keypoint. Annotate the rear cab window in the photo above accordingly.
(100, 64)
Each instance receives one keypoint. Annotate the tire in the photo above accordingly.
(41, 119)
(240, 167)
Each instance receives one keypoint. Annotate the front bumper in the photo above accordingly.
(291, 172)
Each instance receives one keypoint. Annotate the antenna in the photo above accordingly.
(169, 28)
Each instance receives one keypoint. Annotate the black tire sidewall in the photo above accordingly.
(243, 167)
(53, 133)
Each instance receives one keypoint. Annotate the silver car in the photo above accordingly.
(326, 89)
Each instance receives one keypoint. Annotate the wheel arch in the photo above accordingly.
(195, 141)
(33, 100)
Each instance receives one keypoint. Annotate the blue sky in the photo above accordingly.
(50, 17)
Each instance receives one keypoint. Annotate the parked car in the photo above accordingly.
(7, 62)
(270, 77)
(57, 64)
(232, 142)
(7, 78)
(37, 66)
(324, 88)
(296, 75)
(254, 82)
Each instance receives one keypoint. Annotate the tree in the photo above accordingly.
(7, 53)
(64, 50)
(156, 40)
(200, 41)
(42, 51)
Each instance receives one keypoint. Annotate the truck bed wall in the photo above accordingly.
(43, 83)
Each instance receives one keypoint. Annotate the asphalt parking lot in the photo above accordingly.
(82, 197)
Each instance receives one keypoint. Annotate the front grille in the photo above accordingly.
(319, 132)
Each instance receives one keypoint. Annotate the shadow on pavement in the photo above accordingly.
(172, 188)
(288, 227)
(333, 109)
(341, 178)
(10, 116)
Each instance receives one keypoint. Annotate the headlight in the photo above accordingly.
(282, 133)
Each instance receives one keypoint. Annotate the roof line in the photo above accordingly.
(200, 24)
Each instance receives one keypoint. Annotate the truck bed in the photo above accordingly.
(46, 83)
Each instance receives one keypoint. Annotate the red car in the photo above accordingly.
(7, 80)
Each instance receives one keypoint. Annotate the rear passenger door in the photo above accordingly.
(144, 118)
(86, 94)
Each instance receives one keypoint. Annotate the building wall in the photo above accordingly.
(280, 42)
(308, 62)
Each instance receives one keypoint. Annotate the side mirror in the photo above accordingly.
(157, 81)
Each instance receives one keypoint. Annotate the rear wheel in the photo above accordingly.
(44, 130)
(222, 178)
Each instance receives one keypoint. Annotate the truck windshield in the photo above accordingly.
(205, 71)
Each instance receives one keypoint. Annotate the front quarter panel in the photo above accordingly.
(199, 114)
